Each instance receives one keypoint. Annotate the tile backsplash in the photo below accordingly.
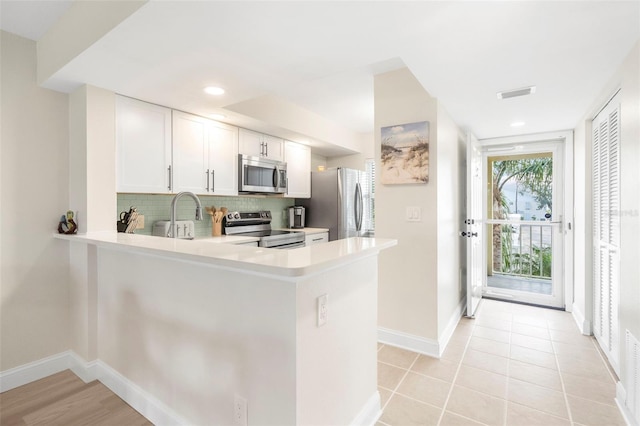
(156, 207)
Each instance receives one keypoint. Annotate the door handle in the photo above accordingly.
(358, 207)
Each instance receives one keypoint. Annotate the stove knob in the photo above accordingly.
(236, 215)
(263, 214)
(229, 216)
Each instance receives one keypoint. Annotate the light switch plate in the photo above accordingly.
(414, 214)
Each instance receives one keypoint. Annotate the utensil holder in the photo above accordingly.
(216, 229)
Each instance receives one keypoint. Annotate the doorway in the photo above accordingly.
(524, 205)
(532, 243)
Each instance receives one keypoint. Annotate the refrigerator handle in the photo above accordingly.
(358, 210)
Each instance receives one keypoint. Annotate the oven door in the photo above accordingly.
(257, 174)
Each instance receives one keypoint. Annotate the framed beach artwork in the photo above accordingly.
(405, 153)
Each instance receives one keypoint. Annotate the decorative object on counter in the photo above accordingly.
(67, 225)
(216, 219)
(405, 153)
(128, 221)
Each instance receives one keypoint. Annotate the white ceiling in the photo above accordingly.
(323, 55)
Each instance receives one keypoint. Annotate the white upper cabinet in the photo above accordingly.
(260, 145)
(223, 159)
(189, 153)
(143, 147)
(298, 159)
(205, 155)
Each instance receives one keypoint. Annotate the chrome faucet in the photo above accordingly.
(174, 202)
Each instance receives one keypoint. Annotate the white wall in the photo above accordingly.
(450, 204)
(419, 288)
(34, 279)
(627, 79)
(408, 272)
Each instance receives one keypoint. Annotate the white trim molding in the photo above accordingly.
(583, 324)
(443, 341)
(409, 341)
(370, 413)
(143, 402)
(27, 373)
(621, 398)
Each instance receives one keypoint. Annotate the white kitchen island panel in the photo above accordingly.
(192, 331)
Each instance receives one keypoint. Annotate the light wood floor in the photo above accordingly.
(64, 399)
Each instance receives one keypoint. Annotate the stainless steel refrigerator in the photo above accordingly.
(336, 202)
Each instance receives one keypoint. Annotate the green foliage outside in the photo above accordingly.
(534, 175)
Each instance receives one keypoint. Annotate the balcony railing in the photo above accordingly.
(525, 250)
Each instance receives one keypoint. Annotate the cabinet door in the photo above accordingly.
(190, 153)
(143, 147)
(298, 159)
(251, 143)
(260, 145)
(223, 159)
(273, 148)
(316, 238)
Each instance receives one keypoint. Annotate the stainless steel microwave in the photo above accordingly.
(261, 175)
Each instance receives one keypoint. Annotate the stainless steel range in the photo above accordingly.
(258, 224)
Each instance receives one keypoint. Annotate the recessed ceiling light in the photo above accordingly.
(217, 116)
(212, 90)
(516, 92)
(518, 123)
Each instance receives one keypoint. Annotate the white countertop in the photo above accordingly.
(284, 263)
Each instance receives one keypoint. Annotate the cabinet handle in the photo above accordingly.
(318, 239)
(170, 178)
(261, 148)
(207, 172)
(266, 149)
(213, 180)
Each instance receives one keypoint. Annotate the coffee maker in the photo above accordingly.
(296, 217)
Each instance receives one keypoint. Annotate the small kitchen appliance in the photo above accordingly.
(258, 224)
(296, 217)
(261, 175)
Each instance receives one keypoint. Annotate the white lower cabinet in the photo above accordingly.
(204, 155)
(311, 239)
(298, 159)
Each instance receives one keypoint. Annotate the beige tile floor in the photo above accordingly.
(512, 365)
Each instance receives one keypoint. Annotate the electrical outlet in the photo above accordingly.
(239, 411)
(322, 309)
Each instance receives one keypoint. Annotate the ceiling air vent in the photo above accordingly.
(517, 92)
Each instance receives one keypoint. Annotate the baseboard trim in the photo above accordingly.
(409, 341)
(146, 404)
(583, 324)
(143, 402)
(621, 397)
(86, 371)
(27, 373)
(452, 324)
(370, 413)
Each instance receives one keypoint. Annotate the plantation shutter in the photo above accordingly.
(606, 229)
(368, 190)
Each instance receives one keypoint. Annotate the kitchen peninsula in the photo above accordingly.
(190, 329)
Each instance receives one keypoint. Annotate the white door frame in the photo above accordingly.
(566, 137)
